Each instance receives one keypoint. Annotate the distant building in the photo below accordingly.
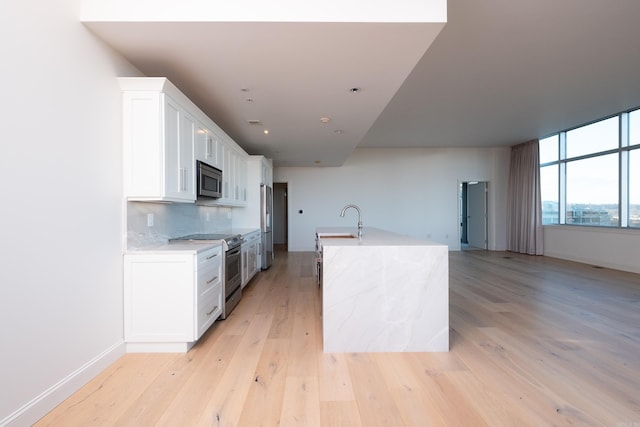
(589, 216)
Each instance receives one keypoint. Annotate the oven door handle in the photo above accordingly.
(232, 252)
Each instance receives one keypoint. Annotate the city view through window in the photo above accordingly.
(594, 171)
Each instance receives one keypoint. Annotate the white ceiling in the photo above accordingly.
(498, 73)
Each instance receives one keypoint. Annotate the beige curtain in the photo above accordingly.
(524, 208)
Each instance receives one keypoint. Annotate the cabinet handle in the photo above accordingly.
(211, 312)
(183, 179)
(212, 256)
(212, 280)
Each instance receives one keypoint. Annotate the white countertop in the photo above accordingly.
(175, 246)
(243, 231)
(370, 237)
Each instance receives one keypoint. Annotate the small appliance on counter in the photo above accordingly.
(232, 266)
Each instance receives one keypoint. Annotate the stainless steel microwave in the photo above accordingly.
(209, 182)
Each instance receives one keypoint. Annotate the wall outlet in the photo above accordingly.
(149, 220)
(206, 216)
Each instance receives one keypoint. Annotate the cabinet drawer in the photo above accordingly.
(209, 269)
(210, 256)
(209, 308)
(207, 278)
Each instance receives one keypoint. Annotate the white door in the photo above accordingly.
(477, 215)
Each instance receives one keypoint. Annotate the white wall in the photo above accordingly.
(61, 215)
(613, 248)
(411, 191)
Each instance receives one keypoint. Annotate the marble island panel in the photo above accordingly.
(384, 293)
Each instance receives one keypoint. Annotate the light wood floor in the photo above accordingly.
(534, 342)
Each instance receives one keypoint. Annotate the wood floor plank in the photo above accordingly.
(190, 398)
(334, 378)
(263, 406)
(372, 393)
(339, 414)
(301, 404)
(224, 408)
(303, 360)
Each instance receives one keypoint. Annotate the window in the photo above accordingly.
(634, 188)
(549, 149)
(593, 138)
(549, 194)
(590, 175)
(592, 191)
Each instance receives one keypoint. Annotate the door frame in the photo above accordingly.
(285, 213)
(460, 210)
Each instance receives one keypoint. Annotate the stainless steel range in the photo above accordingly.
(232, 266)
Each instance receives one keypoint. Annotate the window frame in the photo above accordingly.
(622, 151)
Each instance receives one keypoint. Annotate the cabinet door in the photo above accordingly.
(172, 171)
(241, 175)
(209, 309)
(267, 173)
(252, 259)
(179, 129)
(206, 146)
(245, 264)
(159, 298)
(185, 153)
(226, 171)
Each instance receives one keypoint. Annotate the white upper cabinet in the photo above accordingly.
(158, 141)
(186, 161)
(233, 163)
(164, 134)
(267, 172)
(207, 146)
(257, 171)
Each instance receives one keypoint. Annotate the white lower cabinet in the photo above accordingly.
(250, 256)
(170, 299)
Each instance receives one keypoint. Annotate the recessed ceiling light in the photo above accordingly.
(338, 131)
(354, 90)
(266, 131)
(325, 120)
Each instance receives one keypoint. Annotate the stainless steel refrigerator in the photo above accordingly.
(266, 221)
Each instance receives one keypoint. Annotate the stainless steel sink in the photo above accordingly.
(336, 236)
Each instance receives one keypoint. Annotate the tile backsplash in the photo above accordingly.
(172, 220)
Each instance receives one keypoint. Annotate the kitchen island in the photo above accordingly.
(383, 293)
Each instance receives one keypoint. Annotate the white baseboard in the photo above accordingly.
(600, 263)
(159, 347)
(42, 404)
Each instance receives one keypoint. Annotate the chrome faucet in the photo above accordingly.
(359, 220)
